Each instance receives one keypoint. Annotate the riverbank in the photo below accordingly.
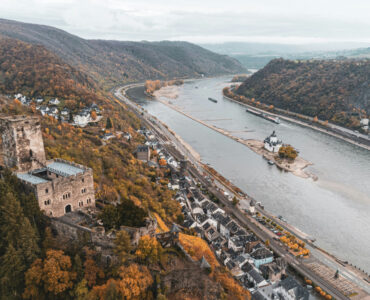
(305, 124)
(170, 92)
(297, 167)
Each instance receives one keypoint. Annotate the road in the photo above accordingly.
(179, 150)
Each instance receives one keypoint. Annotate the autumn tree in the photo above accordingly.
(93, 115)
(123, 245)
(52, 276)
(133, 283)
(92, 271)
(149, 249)
(288, 152)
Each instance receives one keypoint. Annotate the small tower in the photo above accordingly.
(22, 143)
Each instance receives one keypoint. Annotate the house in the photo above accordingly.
(65, 112)
(54, 101)
(252, 207)
(275, 270)
(211, 233)
(222, 221)
(255, 278)
(143, 153)
(39, 100)
(44, 110)
(290, 289)
(127, 136)
(81, 119)
(272, 144)
(364, 124)
(261, 256)
(53, 110)
(108, 136)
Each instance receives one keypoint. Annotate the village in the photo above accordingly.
(55, 108)
(247, 257)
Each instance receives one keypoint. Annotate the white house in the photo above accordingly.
(364, 124)
(272, 143)
(54, 101)
(82, 119)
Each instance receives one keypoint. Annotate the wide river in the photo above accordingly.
(335, 209)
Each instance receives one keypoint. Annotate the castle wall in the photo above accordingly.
(76, 191)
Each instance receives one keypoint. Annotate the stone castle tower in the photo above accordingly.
(22, 143)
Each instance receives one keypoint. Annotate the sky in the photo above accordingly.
(201, 21)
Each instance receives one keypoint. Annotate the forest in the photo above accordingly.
(330, 90)
(38, 264)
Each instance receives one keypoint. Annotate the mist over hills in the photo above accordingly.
(113, 62)
(257, 55)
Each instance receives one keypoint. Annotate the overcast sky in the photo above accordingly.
(201, 21)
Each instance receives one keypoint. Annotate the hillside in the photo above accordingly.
(112, 62)
(35, 71)
(338, 91)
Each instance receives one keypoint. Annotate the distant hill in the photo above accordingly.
(113, 62)
(333, 90)
(35, 71)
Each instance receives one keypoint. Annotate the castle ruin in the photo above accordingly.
(60, 186)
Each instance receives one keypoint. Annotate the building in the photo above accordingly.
(364, 124)
(143, 153)
(290, 289)
(59, 186)
(22, 142)
(272, 143)
(54, 101)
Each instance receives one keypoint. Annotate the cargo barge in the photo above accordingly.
(265, 116)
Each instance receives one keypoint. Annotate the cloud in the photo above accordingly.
(200, 21)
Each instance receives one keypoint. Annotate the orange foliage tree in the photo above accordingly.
(53, 275)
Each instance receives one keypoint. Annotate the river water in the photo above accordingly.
(335, 209)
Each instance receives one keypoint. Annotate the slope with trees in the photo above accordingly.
(114, 62)
(337, 91)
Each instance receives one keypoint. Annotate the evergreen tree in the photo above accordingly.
(109, 123)
(12, 269)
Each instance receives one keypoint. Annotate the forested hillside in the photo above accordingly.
(36, 263)
(111, 62)
(338, 91)
(35, 71)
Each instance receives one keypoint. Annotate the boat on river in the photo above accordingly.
(213, 100)
(265, 116)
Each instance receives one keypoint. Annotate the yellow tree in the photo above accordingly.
(148, 249)
(53, 275)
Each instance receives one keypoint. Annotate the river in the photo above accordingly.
(335, 209)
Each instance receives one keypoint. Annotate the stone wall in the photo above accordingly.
(22, 142)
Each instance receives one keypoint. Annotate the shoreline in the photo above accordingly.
(304, 124)
(296, 168)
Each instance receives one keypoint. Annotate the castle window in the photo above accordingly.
(66, 196)
(83, 179)
(81, 203)
(46, 191)
(88, 201)
(47, 202)
(83, 191)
